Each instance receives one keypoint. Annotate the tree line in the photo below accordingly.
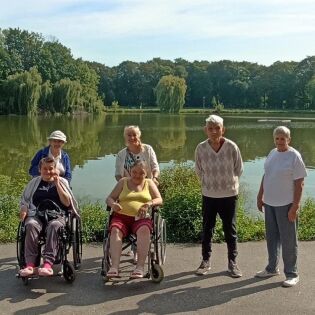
(39, 74)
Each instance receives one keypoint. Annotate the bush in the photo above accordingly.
(306, 222)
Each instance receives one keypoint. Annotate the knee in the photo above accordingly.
(116, 234)
(143, 232)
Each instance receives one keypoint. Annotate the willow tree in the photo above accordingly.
(170, 93)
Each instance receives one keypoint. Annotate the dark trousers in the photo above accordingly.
(226, 208)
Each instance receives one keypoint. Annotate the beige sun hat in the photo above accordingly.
(57, 135)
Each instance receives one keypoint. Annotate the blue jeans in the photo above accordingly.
(281, 232)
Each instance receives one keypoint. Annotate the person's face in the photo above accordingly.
(56, 144)
(48, 171)
(132, 137)
(138, 174)
(281, 142)
(214, 131)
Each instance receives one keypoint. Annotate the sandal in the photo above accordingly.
(112, 273)
(26, 272)
(45, 272)
(138, 273)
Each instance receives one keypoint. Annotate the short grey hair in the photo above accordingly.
(215, 119)
(283, 130)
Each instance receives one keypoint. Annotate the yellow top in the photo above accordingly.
(131, 201)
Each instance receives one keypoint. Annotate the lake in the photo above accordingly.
(94, 141)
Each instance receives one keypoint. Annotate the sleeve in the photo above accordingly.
(68, 174)
(154, 165)
(119, 164)
(299, 170)
(238, 162)
(198, 168)
(33, 171)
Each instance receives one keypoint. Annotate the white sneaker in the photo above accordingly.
(266, 274)
(291, 282)
(204, 268)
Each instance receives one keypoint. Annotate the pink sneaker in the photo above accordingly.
(26, 272)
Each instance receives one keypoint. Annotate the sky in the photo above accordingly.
(113, 31)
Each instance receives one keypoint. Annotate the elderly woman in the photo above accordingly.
(280, 196)
(49, 185)
(130, 201)
(57, 139)
(136, 150)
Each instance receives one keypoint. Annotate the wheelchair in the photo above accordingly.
(69, 238)
(157, 249)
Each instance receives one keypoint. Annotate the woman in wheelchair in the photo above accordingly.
(130, 202)
(47, 186)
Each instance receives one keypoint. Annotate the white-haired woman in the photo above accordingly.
(280, 195)
(57, 140)
(136, 151)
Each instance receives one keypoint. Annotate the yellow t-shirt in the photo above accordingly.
(131, 201)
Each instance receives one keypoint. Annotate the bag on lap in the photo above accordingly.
(48, 210)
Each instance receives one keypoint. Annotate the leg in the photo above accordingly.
(116, 237)
(272, 238)
(227, 214)
(52, 240)
(209, 213)
(143, 244)
(33, 229)
(289, 243)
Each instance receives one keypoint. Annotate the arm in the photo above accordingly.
(238, 163)
(154, 165)
(112, 199)
(62, 193)
(34, 171)
(298, 189)
(155, 201)
(119, 164)
(67, 165)
(260, 195)
(198, 168)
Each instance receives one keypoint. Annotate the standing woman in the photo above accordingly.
(280, 194)
(57, 139)
(136, 151)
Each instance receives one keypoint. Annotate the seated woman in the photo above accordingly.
(57, 140)
(130, 201)
(49, 185)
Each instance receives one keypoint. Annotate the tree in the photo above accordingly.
(170, 93)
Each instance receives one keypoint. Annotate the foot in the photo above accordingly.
(234, 270)
(204, 268)
(267, 274)
(26, 272)
(138, 273)
(45, 272)
(112, 273)
(291, 282)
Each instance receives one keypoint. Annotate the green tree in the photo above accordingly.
(170, 93)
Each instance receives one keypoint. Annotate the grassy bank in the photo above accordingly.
(182, 211)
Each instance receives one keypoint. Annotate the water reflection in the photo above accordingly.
(93, 141)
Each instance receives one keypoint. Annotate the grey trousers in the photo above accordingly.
(280, 232)
(33, 229)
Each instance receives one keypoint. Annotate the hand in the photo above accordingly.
(293, 213)
(156, 182)
(23, 214)
(142, 212)
(116, 207)
(260, 204)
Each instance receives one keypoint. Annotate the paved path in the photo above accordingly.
(181, 292)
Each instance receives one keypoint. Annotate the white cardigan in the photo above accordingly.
(149, 156)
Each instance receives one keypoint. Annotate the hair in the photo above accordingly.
(214, 119)
(283, 130)
(45, 160)
(138, 133)
(142, 164)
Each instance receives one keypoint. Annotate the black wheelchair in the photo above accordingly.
(69, 238)
(157, 249)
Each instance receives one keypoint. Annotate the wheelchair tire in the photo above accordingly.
(160, 239)
(76, 243)
(68, 272)
(156, 273)
(106, 262)
(20, 239)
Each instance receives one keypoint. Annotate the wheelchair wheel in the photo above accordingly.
(160, 239)
(106, 261)
(20, 245)
(68, 272)
(156, 273)
(76, 243)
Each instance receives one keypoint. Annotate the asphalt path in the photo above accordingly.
(181, 291)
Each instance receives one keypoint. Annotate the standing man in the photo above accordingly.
(218, 165)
